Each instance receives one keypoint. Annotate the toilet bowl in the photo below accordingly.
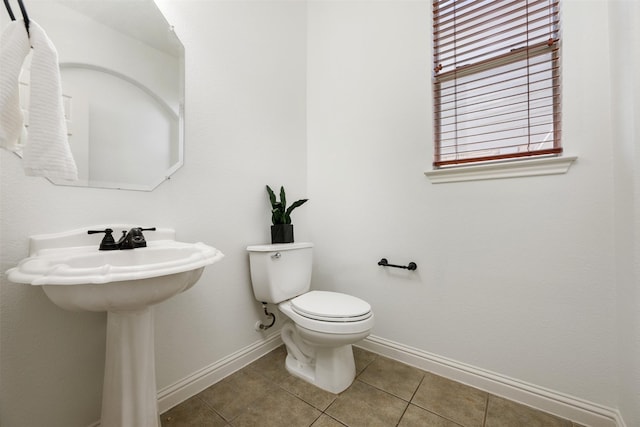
(321, 325)
(319, 345)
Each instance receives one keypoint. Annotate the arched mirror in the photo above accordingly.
(122, 71)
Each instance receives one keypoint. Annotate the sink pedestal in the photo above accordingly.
(129, 396)
(77, 276)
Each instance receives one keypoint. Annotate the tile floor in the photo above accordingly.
(385, 393)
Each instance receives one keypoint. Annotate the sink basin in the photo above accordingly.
(76, 275)
(74, 266)
(85, 278)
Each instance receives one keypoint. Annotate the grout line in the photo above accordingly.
(416, 390)
(338, 421)
(209, 406)
(317, 418)
(409, 402)
(486, 410)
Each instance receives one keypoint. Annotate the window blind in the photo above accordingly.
(496, 79)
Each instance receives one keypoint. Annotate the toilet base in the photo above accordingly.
(334, 373)
(330, 368)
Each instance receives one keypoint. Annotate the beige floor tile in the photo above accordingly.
(504, 413)
(463, 404)
(366, 406)
(316, 397)
(272, 365)
(418, 417)
(326, 421)
(393, 377)
(277, 409)
(236, 393)
(264, 394)
(362, 358)
(193, 412)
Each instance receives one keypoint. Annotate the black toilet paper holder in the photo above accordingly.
(411, 266)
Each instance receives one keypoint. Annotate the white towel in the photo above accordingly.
(47, 151)
(14, 46)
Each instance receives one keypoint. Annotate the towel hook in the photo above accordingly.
(23, 10)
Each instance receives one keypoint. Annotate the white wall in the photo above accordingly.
(515, 276)
(624, 21)
(245, 104)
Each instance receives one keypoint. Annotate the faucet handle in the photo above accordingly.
(138, 238)
(106, 230)
(134, 238)
(107, 244)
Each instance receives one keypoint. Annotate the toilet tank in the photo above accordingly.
(281, 271)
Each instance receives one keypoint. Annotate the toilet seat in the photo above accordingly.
(352, 321)
(331, 307)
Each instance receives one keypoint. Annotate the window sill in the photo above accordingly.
(512, 169)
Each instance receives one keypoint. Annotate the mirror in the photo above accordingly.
(122, 71)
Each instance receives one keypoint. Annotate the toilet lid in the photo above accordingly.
(331, 306)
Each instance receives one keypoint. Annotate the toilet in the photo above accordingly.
(321, 325)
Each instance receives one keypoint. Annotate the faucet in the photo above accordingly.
(134, 238)
(129, 240)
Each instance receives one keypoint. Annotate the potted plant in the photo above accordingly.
(282, 229)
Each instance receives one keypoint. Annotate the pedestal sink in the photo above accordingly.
(75, 275)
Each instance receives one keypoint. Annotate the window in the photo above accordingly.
(496, 80)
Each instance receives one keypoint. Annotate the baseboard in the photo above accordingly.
(562, 405)
(176, 393)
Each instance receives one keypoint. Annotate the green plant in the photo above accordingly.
(280, 214)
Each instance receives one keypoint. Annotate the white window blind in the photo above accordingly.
(496, 79)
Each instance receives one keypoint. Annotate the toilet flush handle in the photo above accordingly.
(276, 255)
